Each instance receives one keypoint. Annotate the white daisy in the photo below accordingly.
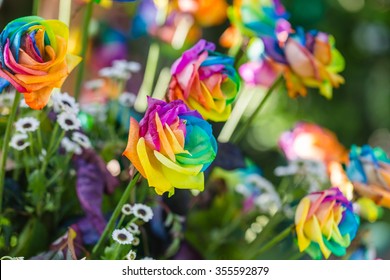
(98, 111)
(126, 209)
(136, 241)
(64, 102)
(127, 99)
(27, 124)
(114, 73)
(125, 65)
(70, 146)
(68, 121)
(81, 139)
(133, 66)
(314, 172)
(18, 142)
(94, 84)
(131, 255)
(7, 99)
(133, 228)
(122, 236)
(142, 212)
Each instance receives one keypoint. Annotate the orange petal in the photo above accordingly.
(131, 149)
(38, 99)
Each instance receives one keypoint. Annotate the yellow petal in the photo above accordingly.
(312, 230)
(300, 219)
(187, 170)
(152, 168)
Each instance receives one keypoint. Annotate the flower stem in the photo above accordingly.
(241, 133)
(276, 240)
(4, 149)
(64, 11)
(35, 8)
(150, 73)
(49, 149)
(111, 223)
(84, 47)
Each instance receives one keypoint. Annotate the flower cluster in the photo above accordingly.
(171, 146)
(205, 80)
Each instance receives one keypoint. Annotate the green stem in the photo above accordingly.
(150, 73)
(116, 251)
(111, 223)
(84, 47)
(241, 133)
(4, 150)
(49, 149)
(276, 240)
(40, 142)
(35, 8)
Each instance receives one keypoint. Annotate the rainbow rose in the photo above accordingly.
(171, 146)
(312, 142)
(34, 58)
(369, 172)
(205, 80)
(304, 59)
(325, 223)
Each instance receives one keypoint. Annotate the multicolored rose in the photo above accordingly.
(34, 58)
(312, 142)
(205, 80)
(325, 223)
(369, 171)
(171, 146)
(304, 59)
(255, 18)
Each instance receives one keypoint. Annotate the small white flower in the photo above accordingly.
(122, 236)
(68, 121)
(133, 66)
(142, 212)
(70, 146)
(27, 124)
(64, 102)
(125, 65)
(81, 139)
(43, 154)
(126, 209)
(127, 99)
(105, 72)
(136, 241)
(98, 111)
(120, 64)
(314, 172)
(7, 99)
(18, 142)
(131, 255)
(133, 228)
(114, 73)
(94, 84)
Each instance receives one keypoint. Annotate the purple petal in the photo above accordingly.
(191, 55)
